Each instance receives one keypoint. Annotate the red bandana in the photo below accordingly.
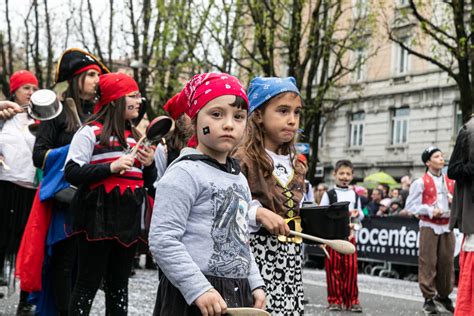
(93, 66)
(176, 106)
(20, 78)
(205, 87)
(114, 86)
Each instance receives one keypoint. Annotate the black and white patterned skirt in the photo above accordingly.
(280, 265)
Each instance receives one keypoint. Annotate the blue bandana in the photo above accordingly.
(262, 89)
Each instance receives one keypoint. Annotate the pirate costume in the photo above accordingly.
(17, 183)
(341, 270)
(279, 258)
(107, 209)
(50, 245)
(199, 233)
(436, 258)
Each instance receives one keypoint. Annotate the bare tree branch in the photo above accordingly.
(111, 32)
(430, 27)
(10, 41)
(3, 75)
(49, 58)
(36, 55)
(27, 37)
(422, 56)
(81, 29)
(94, 31)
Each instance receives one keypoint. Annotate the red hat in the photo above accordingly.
(20, 78)
(205, 87)
(176, 106)
(114, 86)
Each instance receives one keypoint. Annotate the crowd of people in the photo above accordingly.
(217, 200)
(380, 201)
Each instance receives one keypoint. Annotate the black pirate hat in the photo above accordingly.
(74, 61)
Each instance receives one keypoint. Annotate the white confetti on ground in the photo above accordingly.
(142, 289)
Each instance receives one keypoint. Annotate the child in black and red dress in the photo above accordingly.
(108, 205)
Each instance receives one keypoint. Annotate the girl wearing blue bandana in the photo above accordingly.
(276, 180)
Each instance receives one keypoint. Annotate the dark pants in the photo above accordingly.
(436, 263)
(63, 261)
(105, 260)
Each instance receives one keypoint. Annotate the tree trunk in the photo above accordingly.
(111, 32)
(36, 55)
(49, 60)
(94, 32)
(3, 75)
(315, 133)
(136, 40)
(10, 41)
(27, 38)
(466, 101)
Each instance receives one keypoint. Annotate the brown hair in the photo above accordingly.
(343, 163)
(111, 116)
(179, 136)
(73, 91)
(254, 142)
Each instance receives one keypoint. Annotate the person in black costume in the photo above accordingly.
(81, 70)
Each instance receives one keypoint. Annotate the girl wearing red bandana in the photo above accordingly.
(107, 208)
(199, 232)
(176, 140)
(17, 174)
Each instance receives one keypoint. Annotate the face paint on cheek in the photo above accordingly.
(130, 107)
(206, 130)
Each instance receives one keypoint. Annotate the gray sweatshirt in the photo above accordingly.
(200, 226)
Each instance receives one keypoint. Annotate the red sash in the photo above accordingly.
(435, 220)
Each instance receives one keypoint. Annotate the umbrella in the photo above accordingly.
(379, 178)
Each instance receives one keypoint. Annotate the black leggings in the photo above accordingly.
(105, 260)
(63, 261)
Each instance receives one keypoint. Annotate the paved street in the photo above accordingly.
(379, 296)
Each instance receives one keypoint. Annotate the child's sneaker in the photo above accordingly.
(356, 308)
(334, 307)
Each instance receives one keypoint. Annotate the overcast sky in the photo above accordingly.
(60, 12)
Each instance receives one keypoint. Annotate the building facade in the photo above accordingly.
(394, 107)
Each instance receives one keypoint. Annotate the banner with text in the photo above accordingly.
(392, 239)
